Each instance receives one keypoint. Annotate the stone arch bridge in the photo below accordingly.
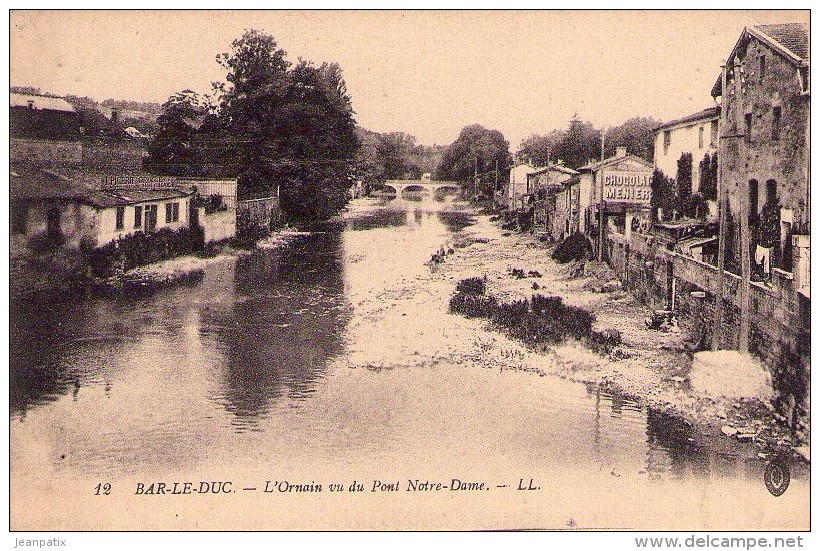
(432, 186)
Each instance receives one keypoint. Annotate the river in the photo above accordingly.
(328, 360)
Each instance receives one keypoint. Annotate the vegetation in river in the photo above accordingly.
(540, 320)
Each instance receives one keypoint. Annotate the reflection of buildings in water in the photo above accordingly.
(671, 447)
(615, 434)
(285, 325)
(57, 347)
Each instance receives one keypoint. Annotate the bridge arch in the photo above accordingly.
(400, 186)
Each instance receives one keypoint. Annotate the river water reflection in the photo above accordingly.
(251, 374)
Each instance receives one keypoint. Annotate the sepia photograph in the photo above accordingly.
(410, 270)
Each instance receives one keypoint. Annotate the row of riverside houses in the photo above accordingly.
(70, 192)
(731, 215)
(66, 192)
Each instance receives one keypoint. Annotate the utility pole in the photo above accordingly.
(475, 179)
(723, 206)
(600, 174)
(745, 238)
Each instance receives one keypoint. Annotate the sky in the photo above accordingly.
(426, 73)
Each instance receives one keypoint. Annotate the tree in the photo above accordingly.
(394, 152)
(636, 134)
(476, 149)
(369, 169)
(174, 150)
(663, 195)
(683, 181)
(251, 101)
(541, 150)
(319, 142)
(290, 127)
(707, 170)
(581, 143)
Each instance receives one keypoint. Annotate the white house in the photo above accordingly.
(516, 188)
(46, 205)
(696, 134)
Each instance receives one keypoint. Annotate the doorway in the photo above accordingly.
(150, 217)
(53, 222)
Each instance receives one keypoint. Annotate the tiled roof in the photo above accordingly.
(39, 102)
(609, 160)
(35, 183)
(708, 113)
(790, 39)
(31, 182)
(793, 36)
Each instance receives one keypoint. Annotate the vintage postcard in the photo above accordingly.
(409, 270)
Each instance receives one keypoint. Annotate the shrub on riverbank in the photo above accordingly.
(574, 247)
(471, 286)
(541, 320)
(142, 248)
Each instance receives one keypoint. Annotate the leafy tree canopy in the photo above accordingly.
(476, 150)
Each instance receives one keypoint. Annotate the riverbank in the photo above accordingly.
(66, 273)
(650, 365)
(185, 268)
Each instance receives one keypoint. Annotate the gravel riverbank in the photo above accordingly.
(650, 365)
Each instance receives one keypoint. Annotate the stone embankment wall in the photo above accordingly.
(780, 316)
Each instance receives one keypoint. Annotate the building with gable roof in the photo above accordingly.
(626, 183)
(764, 146)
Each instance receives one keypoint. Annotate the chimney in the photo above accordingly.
(620, 151)
(31, 104)
(114, 115)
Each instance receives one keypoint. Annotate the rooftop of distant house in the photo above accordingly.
(703, 115)
(621, 153)
(556, 167)
(39, 102)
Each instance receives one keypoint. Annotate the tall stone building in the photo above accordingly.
(764, 143)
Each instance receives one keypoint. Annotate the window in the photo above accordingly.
(19, 217)
(803, 75)
(762, 67)
(138, 217)
(776, 113)
(748, 118)
(771, 192)
(171, 212)
(700, 137)
(667, 140)
(120, 218)
(753, 202)
(714, 137)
